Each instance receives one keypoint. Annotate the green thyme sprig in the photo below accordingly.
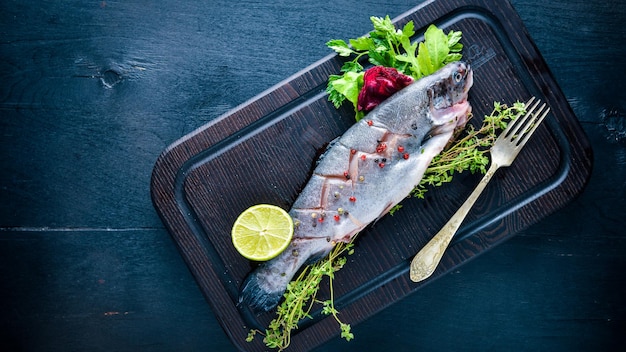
(469, 151)
(301, 296)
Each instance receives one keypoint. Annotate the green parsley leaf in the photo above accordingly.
(408, 30)
(452, 58)
(349, 85)
(409, 58)
(340, 46)
(351, 66)
(390, 47)
(425, 64)
(362, 43)
(383, 26)
(333, 95)
(454, 39)
(437, 43)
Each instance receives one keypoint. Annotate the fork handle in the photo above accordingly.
(426, 260)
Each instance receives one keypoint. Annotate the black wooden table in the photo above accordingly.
(92, 92)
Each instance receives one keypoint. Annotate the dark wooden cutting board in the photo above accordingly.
(264, 151)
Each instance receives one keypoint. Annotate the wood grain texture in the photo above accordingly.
(199, 193)
(92, 92)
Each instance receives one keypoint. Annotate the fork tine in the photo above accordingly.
(529, 101)
(533, 124)
(526, 122)
(533, 107)
(519, 122)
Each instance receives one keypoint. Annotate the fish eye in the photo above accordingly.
(457, 77)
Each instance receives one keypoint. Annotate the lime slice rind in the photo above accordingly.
(262, 232)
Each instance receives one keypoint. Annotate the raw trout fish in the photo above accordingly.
(372, 167)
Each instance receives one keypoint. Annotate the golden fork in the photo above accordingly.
(503, 152)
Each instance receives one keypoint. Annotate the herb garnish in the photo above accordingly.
(300, 298)
(469, 151)
(390, 47)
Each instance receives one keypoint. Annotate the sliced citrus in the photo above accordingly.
(262, 232)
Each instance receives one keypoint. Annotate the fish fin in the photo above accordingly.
(326, 150)
(384, 212)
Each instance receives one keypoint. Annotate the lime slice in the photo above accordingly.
(262, 232)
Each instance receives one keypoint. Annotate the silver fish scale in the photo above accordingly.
(363, 137)
(351, 188)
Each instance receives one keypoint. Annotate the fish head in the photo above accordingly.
(430, 105)
(447, 94)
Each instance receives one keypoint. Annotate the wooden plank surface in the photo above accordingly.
(92, 92)
(262, 152)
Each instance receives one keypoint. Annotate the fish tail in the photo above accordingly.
(265, 286)
(263, 289)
